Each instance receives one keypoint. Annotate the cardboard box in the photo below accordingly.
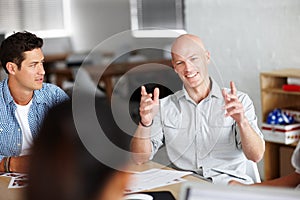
(285, 134)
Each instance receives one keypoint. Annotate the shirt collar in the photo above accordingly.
(7, 96)
(214, 92)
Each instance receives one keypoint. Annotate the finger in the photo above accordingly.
(146, 98)
(156, 95)
(225, 95)
(234, 111)
(143, 90)
(146, 106)
(232, 105)
(232, 97)
(233, 88)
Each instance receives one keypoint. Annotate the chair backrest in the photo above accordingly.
(252, 171)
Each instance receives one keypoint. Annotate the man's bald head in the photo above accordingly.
(187, 42)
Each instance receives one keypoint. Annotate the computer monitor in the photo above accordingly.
(198, 191)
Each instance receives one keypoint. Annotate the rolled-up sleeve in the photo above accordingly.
(249, 114)
(156, 134)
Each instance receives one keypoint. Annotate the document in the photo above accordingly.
(153, 178)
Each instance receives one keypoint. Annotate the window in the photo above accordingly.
(47, 18)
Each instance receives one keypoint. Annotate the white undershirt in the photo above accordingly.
(22, 117)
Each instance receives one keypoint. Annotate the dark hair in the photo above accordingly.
(61, 167)
(12, 48)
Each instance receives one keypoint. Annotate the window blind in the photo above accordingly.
(32, 15)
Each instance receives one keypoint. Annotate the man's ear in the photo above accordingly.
(207, 55)
(11, 67)
(173, 65)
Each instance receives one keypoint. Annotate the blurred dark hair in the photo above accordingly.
(12, 48)
(61, 167)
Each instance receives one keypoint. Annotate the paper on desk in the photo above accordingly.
(18, 180)
(153, 178)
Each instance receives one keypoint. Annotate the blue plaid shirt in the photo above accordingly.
(10, 130)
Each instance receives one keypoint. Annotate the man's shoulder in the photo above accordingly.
(49, 90)
(50, 86)
(2, 83)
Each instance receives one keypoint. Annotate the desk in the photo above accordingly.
(9, 194)
(17, 194)
(113, 70)
(174, 188)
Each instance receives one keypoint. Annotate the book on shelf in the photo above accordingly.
(291, 87)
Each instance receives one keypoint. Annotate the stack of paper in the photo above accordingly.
(153, 178)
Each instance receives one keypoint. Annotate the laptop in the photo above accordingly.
(208, 191)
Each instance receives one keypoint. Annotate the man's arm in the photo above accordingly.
(18, 164)
(253, 145)
(141, 146)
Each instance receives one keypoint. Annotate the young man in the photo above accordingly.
(192, 123)
(24, 98)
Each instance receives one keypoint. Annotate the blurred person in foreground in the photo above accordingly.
(62, 168)
(24, 98)
(292, 180)
(206, 129)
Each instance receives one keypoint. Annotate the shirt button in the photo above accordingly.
(18, 129)
(19, 144)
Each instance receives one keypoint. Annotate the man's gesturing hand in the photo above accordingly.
(148, 106)
(233, 106)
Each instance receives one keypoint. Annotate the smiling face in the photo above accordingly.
(190, 60)
(31, 74)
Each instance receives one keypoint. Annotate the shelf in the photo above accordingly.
(273, 96)
(280, 91)
(283, 73)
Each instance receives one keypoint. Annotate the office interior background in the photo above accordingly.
(244, 38)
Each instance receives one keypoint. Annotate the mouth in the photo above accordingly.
(40, 79)
(191, 75)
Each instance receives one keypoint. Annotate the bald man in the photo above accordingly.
(206, 129)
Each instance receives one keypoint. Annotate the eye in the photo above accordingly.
(178, 63)
(194, 58)
(33, 65)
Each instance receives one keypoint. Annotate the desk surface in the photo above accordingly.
(9, 194)
(174, 188)
(17, 194)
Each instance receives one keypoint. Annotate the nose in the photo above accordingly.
(189, 65)
(41, 69)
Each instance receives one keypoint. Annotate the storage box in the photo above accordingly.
(294, 113)
(286, 134)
